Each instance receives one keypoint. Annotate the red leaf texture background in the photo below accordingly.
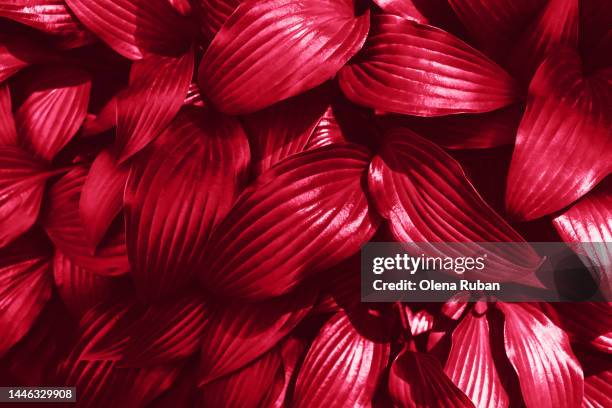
(185, 187)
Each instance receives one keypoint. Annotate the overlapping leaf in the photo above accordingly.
(17, 52)
(564, 142)
(25, 288)
(415, 69)
(304, 215)
(212, 14)
(22, 183)
(134, 28)
(166, 332)
(239, 333)
(54, 109)
(49, 16)
(284, 128)
(587, 227)
(426, 197)
(102, 196)
(342, 367)
(257, 385)
(177, 192)
(63, 225)
(326, 132)
(470, 364)
(540, 352)
(8, 133)
(270, 50)
(80, 289)
(417, 380)
(162, 82)
(403, 8)
(587, 322)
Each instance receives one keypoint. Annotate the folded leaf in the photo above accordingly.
(563, 143)
(540, 352)
(238, 333)
(176, 193)
(586, 228)
(8, 133)
(464, 131)
(156, 91)
(470, 364)
(167, 332)
(304, 215)
(496, 22)
(256, 385)
(134, 28)
(342, 367)
(270, 50)
(80, 289)
(426, 197)
(62, 223)
(212, 14)
(326, 132)
(25, 288)
(416, 380)
(54, 109)
(49, 16)
(102, 196)
(22, 184)
(284, 128)
(403, 8)
(415, 69)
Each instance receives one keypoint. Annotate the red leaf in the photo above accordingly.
(304, 215)
(587, 322)
(292, 350)
(167, 332)
(495, 24)
(239, 333)
(342, 367)
(271, 50)
(465, 131)
(598, 390)
(54, 110)
(212, 14)
(284, 128)
(417, 380)
(415, 69)
(176, 193)
(549, 374)
(587, 228)
(25, 288)
(134, 28)
(563, 143)
(63, 225)
(105, 120)
(102, 196)
(100, 382)
(557, 25)
(256, 385)
(8, 133)
(22, 184)
(80, 289)
(49, 16)
(402, 8)
(470, 364)
(426, 197)
(17, 52)
(156, 92)
(326, 132)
